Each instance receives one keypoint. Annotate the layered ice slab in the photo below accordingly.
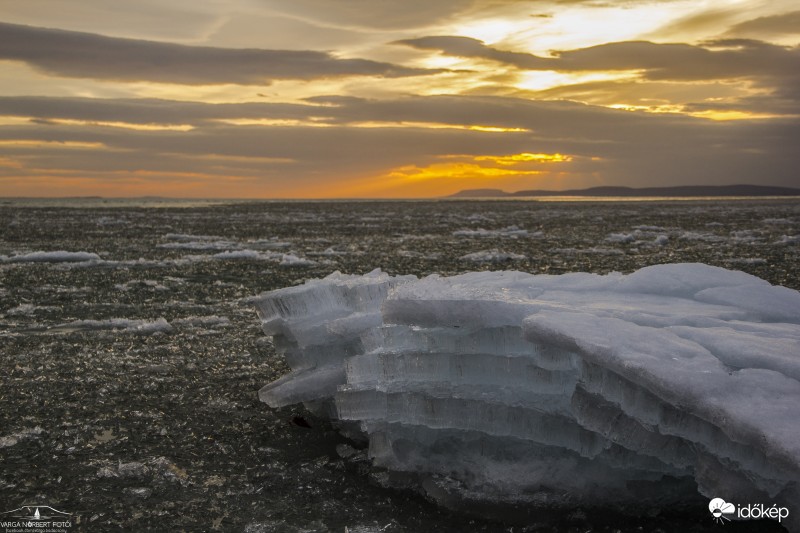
(617, 390)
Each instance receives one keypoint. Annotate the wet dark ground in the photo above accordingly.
(134, 423)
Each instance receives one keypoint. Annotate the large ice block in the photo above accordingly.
(557, 391)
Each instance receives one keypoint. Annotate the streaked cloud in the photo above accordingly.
(460, 46)
(785, 24)
(175, 21)
(721, 72)
(719, 59)
(86, 55)
(372, 14)
(572, 143)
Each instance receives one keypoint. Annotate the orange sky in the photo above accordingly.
(378, 98)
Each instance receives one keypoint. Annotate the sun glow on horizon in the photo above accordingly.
(512, 171)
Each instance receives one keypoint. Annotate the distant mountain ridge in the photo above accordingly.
(687, 191)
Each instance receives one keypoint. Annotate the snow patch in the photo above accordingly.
(510, 231)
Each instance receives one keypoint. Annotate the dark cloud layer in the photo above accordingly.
(719, 60)
(772, 26)
(144, 111)
(86, 55)
(617, 147)
(144, 19)
(459, 46)
(571, 119)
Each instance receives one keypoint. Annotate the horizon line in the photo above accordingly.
(492, 193)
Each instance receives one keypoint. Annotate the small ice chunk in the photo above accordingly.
(247, 254)
(146, 327)
(510, 231)
(200, 245)
(25, 434)
(291, 260)
(492, 256)
(303, 386)
(29, 309)
(623, 238)
(184, 237)
(60, 256)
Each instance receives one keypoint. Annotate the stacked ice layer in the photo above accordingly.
(557, 390)
(316, 326)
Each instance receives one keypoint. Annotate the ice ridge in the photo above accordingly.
(555, 391)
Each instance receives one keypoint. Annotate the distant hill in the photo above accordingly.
(687, 191)
(481, 193)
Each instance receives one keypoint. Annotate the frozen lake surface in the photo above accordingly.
(132, 357)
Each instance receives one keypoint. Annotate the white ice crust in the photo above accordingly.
(556, 390)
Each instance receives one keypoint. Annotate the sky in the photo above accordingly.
(394, 98)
